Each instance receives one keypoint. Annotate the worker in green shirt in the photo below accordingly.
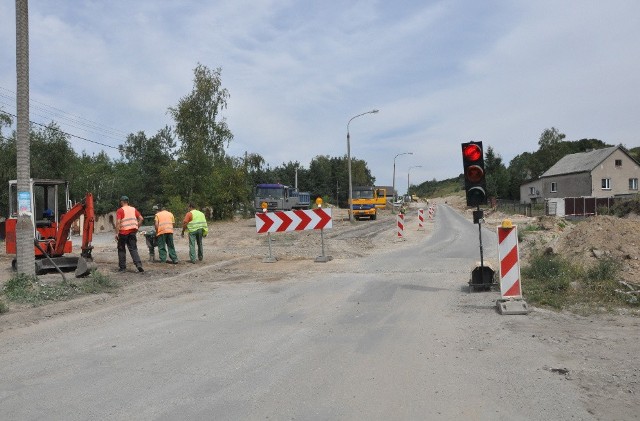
(196, 224)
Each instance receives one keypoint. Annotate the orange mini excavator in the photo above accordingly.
(52, 215)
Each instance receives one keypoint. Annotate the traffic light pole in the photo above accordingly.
(475, 186)
(479, 213)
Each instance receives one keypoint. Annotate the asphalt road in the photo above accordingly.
(396, 337)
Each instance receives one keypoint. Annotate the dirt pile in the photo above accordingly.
(600, 237)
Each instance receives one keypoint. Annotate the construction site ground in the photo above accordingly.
(234, 252)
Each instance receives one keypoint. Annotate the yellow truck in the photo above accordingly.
(367, 200)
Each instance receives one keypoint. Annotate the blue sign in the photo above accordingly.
(24, 203)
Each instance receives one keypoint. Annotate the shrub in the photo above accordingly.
(624, 207)
(605, 269)
(548, 278)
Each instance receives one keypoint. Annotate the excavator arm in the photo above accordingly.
(66, 220)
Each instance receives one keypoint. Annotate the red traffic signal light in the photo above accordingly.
(474, 174)
(472, 151)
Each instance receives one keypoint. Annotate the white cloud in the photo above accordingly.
(440, 72)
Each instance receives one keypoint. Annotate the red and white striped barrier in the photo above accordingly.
(509, 255)
(296, 220)
(420, 219)
(431, 212)
(400, 224)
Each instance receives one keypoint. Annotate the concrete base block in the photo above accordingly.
(323, 259)
(516, 306)
(269, 259)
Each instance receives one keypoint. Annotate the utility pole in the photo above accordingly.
(25, 255)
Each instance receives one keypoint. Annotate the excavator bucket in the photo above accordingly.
(85, 266)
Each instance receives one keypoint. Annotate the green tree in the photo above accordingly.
(255, 167)
(635, 153)
(584, 145)
(201, 132)
(229, 191)
(150, 159)
(51, 153)
(497, 175)
(519, 172)
(322, 180)
(97, 174)
(552, 148)
(360, 173)
(286, 174)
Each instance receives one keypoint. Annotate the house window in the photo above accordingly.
(532, 190)
(606, 184)
(618, 162)
(633, 184)
(554, 187)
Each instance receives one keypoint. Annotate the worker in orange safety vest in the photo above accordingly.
(128, 220)
(164, 222)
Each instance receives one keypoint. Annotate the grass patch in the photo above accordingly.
(529, 228)
(547, 280)
(31, 290)
(554, 281)
(97, 282)
(532, 228)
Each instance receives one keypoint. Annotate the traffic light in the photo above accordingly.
(474, 176)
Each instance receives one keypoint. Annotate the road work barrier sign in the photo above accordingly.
(296, 220)
(420, 219)
(510, 287)
(508, 254)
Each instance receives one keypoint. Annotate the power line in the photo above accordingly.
(65, 115)
(73, 122)
(63, 132)
(49, 112)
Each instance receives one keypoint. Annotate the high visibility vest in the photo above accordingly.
(198, 221)
(129, 221)
(164, 222)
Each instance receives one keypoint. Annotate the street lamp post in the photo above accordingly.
(349, 163)
(395, 195)
(394, 173)
(408, 172)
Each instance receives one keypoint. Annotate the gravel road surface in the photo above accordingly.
(392, 335)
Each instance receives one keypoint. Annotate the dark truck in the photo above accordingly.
(280, 197)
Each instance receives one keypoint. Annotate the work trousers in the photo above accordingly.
(165, 245)
(128, 241)
(195, 238)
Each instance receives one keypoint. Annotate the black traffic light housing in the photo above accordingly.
(475, 183)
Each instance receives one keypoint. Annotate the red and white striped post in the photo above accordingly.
(431, 213)
(420, 219)
(400, 224)
(508, 254)
(511, 301)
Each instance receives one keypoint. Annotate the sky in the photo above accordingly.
(439, 72)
